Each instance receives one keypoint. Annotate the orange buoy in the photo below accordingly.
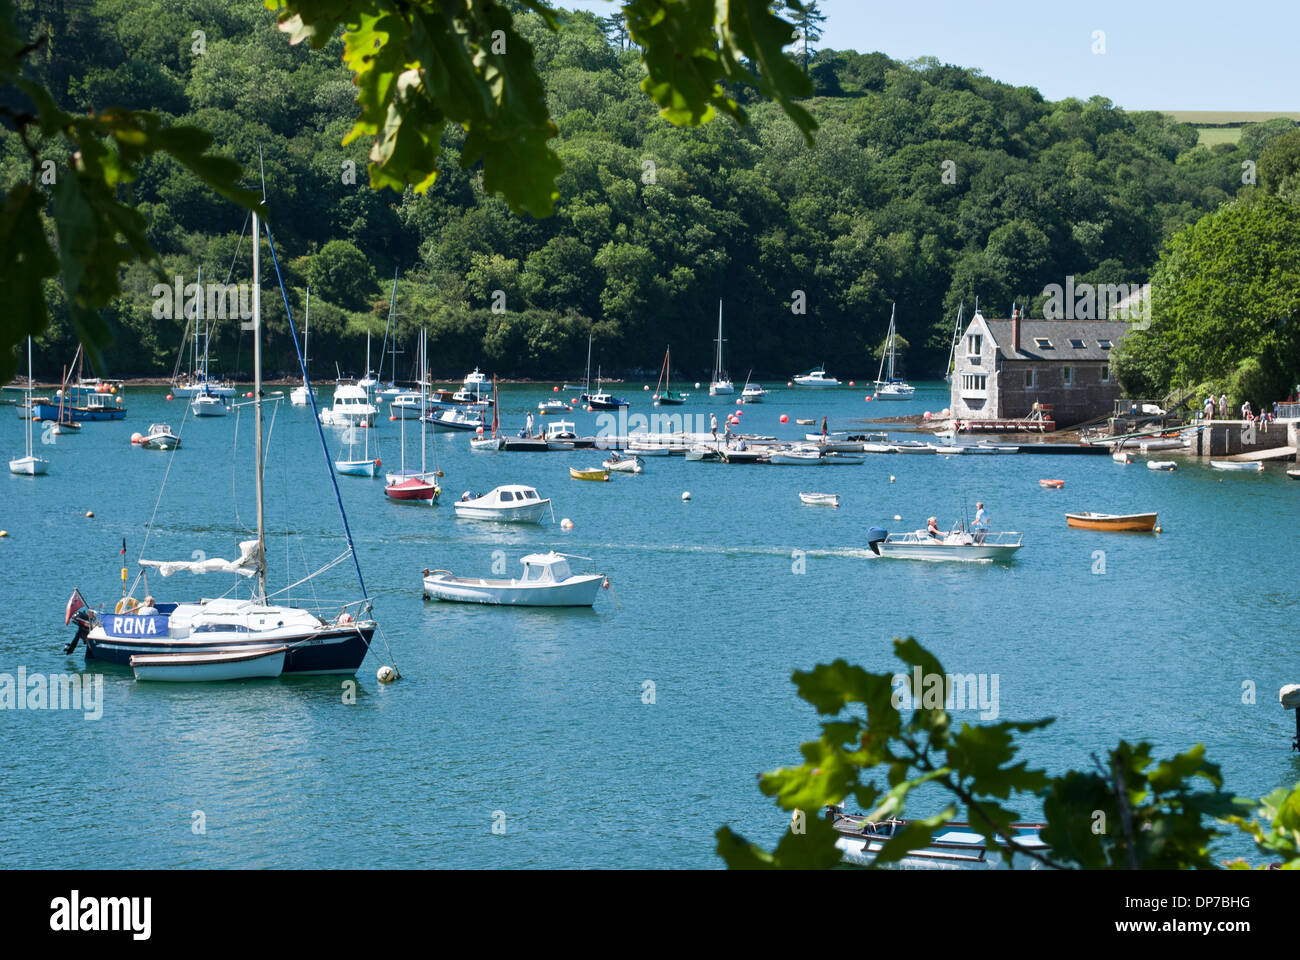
(1052, 484)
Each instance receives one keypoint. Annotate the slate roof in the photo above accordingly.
(1059, 333)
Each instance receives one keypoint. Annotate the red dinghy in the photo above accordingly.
(413, 488)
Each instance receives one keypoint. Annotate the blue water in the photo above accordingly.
(534, 720)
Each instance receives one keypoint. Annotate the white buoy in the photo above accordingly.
(90, 513)
(697, 384)
(566, 524)
(386, 674)
(891, 478)
(3, 534)
(686, 496)
(897, 517)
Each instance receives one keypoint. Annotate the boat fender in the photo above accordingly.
(345, 618)
(126, 605)
(875, 536)
(605, 585)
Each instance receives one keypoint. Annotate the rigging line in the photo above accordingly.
(310, 580)
(162, 487)
(329, 566)
(388, 648)
(311, 396)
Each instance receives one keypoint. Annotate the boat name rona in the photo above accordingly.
(950, 691)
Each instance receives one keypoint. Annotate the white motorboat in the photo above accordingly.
(561, 435)
(159, 437)
(449, 421)
(257, 663)
(510, 503)
(352, 408)
(1161, 465)
(815, 377)
(820, 499)
(548, 581)
(957, 544)
(914, 446)
(476, 381)
(1122, 456)
(721, 384)
(621, 464)
(752, 392)
(554, 406)
(1243, 466)
(835, 458)
(207, 404)
(802, 455)
(888, 386)
(406, 405)
(29, 465)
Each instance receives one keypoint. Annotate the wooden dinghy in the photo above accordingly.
(589, 473)
(1052, 484)
(1111, 521)
(820, 499)
(207, 667)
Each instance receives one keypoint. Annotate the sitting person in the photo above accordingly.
(932, 529)
(147, 609)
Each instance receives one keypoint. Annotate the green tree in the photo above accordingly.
(341, 274)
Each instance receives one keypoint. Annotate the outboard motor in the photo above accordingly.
(875, 536)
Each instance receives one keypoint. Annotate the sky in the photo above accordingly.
(1158, 54)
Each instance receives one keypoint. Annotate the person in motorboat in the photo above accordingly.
(932, 529)
(147, 609)
(981, 525)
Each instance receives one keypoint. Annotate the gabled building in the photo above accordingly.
(1004, 367)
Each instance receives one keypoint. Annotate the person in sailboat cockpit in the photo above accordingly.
(147, 609)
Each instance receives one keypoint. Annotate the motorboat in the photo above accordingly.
(1166, 465)
(807, 456)
(265, 662)
(525, 444)
(207, 404)
(159, 437)
(948, 449)
(914, 446)
(406, 405)
(953, 846)
(721, 384)
(1141, 522)
(621, 464)
(351, 408)
(820, 499)
(752, 392)
(879, 448)
(815, 377)
(1242, 466)
(457, 418)
(547, 581)
(560, 435)
(742, 455)
(1294, 474)
(510, 503)
(957, 544)
(476, 381)
(29, 465)
(554, 406)
(589, 473)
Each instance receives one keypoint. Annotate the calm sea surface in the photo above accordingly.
(535, 719)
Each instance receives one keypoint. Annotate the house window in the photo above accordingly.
(1068, 374)
(1105, 373)
(1029, 379)
(974, 381)
(1043, 343)
(974, 345)
(1076, 343)
(1104, 344)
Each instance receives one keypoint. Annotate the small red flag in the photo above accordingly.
(75, 603)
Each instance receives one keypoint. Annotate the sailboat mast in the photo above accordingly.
(717, 364)
(30, 411)
(306, 338)
(587, 388)
(424, 371)
(257, 408)
(891, 342)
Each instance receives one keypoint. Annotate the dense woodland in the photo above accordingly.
(929, 185)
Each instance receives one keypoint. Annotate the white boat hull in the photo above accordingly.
(29, 466)
(579, 591)
(210, 667)
(531, 512)
(1242, 466)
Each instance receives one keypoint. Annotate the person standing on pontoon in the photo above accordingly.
(528, 424)
(713, 426)
(823, 429)
(981, 524)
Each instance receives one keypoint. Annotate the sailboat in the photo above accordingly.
(352, 467)
(390, 389)
(720, 385)
(207, 402)
(201, 638)
(29, 465)
(65, 423)
(408, 486)
(666, 396)
(198, 381)
(889, 387)
(298, 396)
(492, 442)
(600, 400)
(88, 399)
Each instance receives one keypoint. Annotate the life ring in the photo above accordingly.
(126, 605)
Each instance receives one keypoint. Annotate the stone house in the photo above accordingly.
(1004, 367)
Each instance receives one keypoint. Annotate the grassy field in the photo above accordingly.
(1224, 126)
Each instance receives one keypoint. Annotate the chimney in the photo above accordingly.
(1015, 330)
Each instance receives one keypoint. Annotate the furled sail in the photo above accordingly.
(245, 566)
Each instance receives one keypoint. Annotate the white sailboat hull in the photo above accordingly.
(29, 466)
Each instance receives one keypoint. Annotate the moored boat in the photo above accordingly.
(510, 503)
(159, 437)
(953, 846)
(1241, 466)
(1166, 465)
(548, 581)
(1052, 484)
(621, 464)
(1140, 522)
(957, 544)
(820, 499)
(266, 662)
(721, 384)
(800, 455)
(816, 377)
(589, 473)
(29, 465)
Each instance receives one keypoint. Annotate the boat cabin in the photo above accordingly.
(561, 430)
(546, 567)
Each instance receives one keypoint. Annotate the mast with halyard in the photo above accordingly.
(221, 632)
